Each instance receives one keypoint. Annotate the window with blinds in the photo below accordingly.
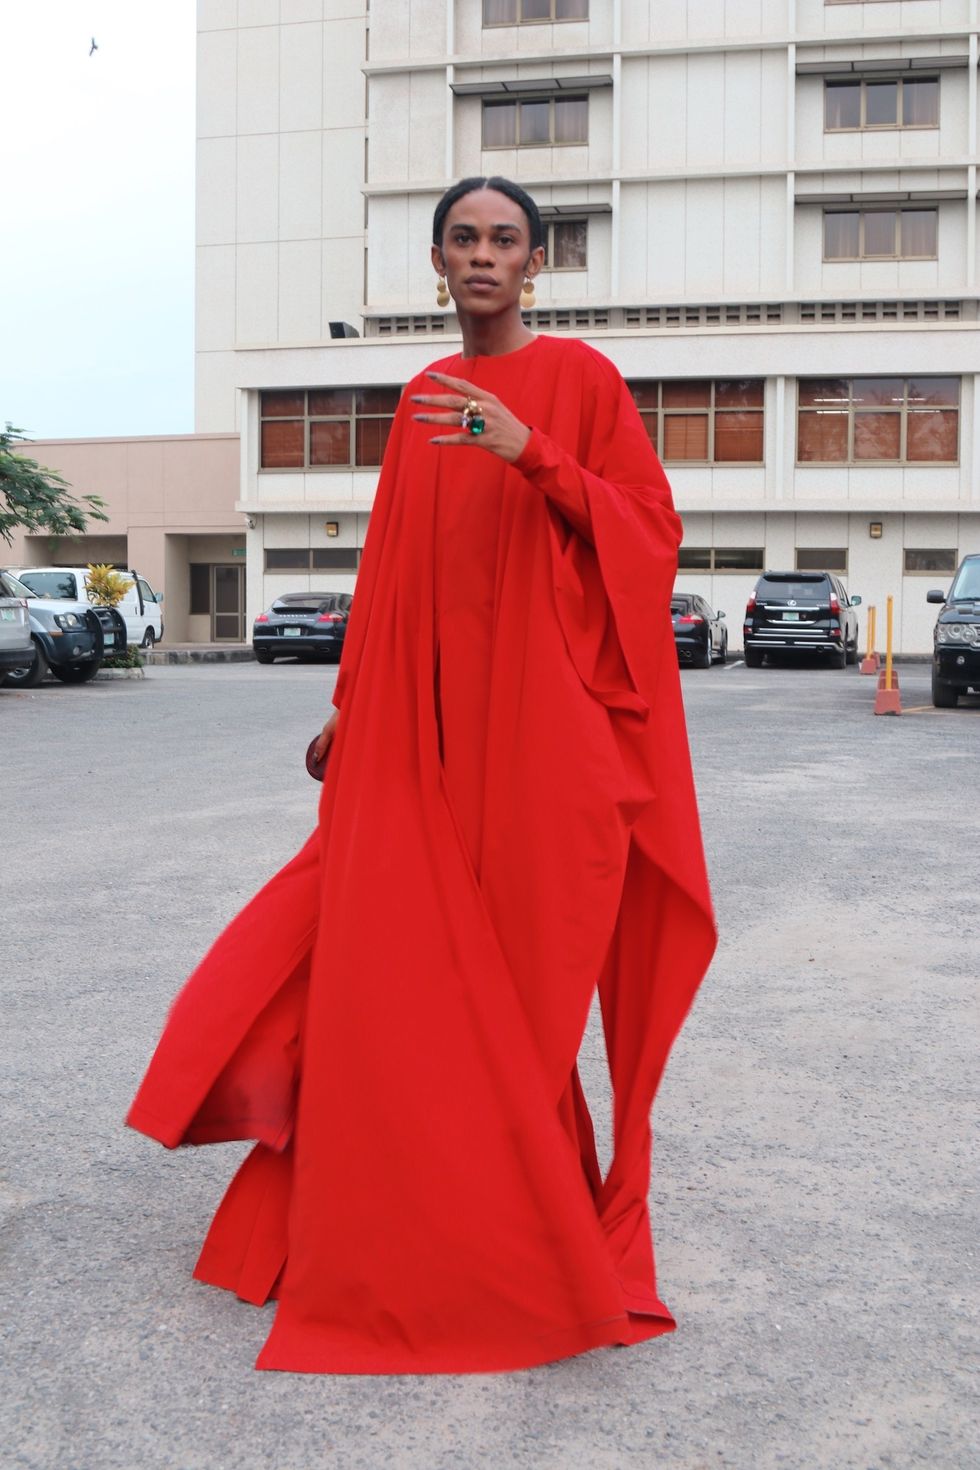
(324, 428)
(703, 421)
(878, 421)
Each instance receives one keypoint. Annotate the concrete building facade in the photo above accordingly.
(170, 503)
(763, 211)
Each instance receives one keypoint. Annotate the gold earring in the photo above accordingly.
(528, 297)
(442, 292)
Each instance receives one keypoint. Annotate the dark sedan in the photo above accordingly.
(956, 650)
(303, 625)
(700, 635)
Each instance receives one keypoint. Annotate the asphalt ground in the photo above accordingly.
(813, 1200)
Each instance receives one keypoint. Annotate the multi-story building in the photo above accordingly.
(763, 211)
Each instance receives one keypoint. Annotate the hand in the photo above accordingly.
(504, 434)
(326, 736)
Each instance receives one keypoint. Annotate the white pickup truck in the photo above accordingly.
(141, 608)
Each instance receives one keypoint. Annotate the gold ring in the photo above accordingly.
(472, 417)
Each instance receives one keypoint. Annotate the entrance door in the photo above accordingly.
(228, 604)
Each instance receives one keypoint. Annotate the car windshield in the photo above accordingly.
(967, 582)
(13, 586)
(810, 589)
(52, 584)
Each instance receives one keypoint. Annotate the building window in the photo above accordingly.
(537, 123)
(860, 106)
(880, 234)
(313, 559)
(720, 559)
(323, 428)
(200, 589)
(703, 421)
(566, 245)
(821, 559)
(878, 420)
(930, 559)
(524, 12)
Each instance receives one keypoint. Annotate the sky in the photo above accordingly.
(97, 228)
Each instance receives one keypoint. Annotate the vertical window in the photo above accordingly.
(920, 103)
(200, 605)
(566, 245)
(842, 105)
(283, 443)
(880, 104)
(703, 420)
(878, 420)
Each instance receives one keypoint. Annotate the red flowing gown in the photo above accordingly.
(508, 821)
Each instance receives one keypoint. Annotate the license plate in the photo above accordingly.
(7, 614)
(108, 638)
(292, 632)
(791, 617)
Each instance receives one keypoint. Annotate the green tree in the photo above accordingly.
(35, 499)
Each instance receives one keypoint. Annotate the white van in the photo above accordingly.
(141, 607)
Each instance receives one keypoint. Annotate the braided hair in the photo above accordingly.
(502, 186)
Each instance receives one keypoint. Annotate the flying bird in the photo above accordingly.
(93, 47)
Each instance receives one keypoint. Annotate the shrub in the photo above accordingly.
(106, 586)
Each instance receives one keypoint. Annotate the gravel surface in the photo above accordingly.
(813, 1200)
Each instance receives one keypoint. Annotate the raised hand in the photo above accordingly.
(502, 433)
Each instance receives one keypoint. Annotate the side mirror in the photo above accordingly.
(855, 602)
(720, 615)
(935, 595)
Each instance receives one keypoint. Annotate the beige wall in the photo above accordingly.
(170, 501)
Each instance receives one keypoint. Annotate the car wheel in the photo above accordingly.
(723, 655)
(29, 678)
(753, 658)
(841, 659)
(705, 661)
(944, 696)
(262, 656)
(852, 652)
(149, 638)
(77, 673)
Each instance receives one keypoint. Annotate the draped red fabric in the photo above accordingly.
(508, 821)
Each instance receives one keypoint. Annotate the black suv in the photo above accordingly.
(793, 611)
(956, 637)
(303, 625)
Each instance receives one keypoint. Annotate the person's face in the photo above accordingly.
(486, 252)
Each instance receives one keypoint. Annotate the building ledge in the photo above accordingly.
(334, 504)
(879, 505)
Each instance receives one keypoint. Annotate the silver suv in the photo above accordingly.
(16, 647)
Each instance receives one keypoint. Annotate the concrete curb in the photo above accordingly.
(203, 655)
(121, 674)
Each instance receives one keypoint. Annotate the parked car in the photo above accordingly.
(140, 608)
(956, 636)
(701, 635)
(304, 625)
(16, 644)
(801, 612)
(69, 638)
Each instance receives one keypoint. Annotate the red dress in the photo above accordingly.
(508, 819)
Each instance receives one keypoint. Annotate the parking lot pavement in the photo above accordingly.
(812, 1201)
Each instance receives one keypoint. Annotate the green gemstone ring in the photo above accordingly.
(472, 418)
